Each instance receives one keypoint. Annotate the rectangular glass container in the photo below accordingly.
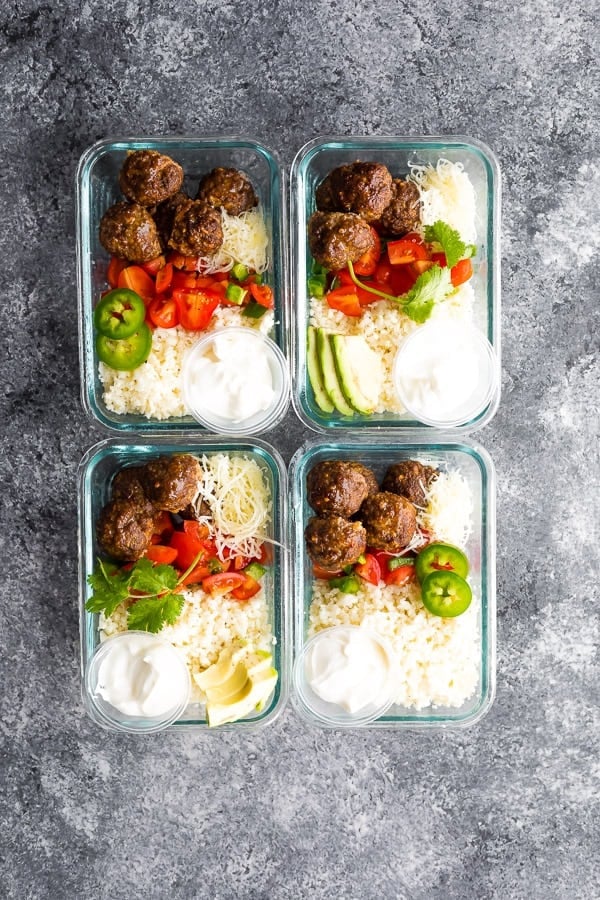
(477, 468)
(97, 188)
(312, 163)
(96, 471)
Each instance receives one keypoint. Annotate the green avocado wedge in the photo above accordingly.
(358, 369)
(315, 373)
(330, 378)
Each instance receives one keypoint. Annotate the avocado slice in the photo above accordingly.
(330, 378)
(261, 687)
(359, 370)
(316, 375)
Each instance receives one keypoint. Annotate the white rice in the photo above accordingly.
(436, 660)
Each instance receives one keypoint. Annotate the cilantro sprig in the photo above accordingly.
(430, 288)
(450, 241)
(152, 587)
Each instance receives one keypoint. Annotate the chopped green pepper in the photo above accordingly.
(254, 310)
(347, 584)
(396, 562)
(255, 570)
(318, 269)
(316, 286)
(119, 314)
(235, 294)
(239, 271)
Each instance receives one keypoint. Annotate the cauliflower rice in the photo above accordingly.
(437, 659)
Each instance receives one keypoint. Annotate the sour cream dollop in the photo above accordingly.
(444, 373)
(141, 675)
(349, 667)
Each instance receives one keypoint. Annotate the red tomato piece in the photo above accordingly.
(263, 294)
(115, 267)
(461, 272)
(195, 308)
(325, 574)
(421, 265)
(189, 263)
(248, 589)
(266, 555)
(164, 277)
(345, 299)
(195, 529)
(367, 263)
(197, 575)
(369, 570)
(163, 313)
(401, 575)
(134, 278)
(439, 258)
(406, 250)
(223, 583)
(158, 553)
(188, 546)
(383, 273)
(153, 265)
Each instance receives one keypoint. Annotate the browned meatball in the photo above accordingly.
(364, 188)
(334, 542)
(149, 177)
(409, 479)
(197, 229)
(228, 188)
(390, 521)
(128, 231)
(336, 238)
(171, 482)
(338, 488)
(324, 196)
(125, 528)
(165, 213)
(403, 214)
(126, 485)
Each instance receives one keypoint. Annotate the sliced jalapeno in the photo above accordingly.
(119, 314)
(446, 594)
(128, 353)
(440, 557)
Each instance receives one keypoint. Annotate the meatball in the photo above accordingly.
(338, 488)
(127, 485)
(334, 542)
(227, 188)
(336, 238)
(128, 231)
(171, 482)
(390, 521)
(364, 188)
(148, 177)
(409, 479)
(165, 215)
(196, 229)
(125, 528)
(403, 213)
(324, 196)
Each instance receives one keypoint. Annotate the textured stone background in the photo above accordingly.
(508, 809)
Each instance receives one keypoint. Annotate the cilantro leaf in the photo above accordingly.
(430, 287)
(449, 239)
(110, 587)
(152, 613)
(150, 579)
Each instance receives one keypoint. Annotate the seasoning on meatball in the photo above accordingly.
(409, 479)
(196, 229)
(338, 488)
(125, 528)
(390, 521)
(148, 177)
(227, 188)
(335, 542)
(128, 231)
(364, 188)
(337, 238)
(403, 213)
(171, 482)
(127, 485)
(165, 213)
(324, 196)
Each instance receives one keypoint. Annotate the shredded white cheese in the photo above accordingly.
(245, 240)
(447, 194)
(235, 490)
(449, 513)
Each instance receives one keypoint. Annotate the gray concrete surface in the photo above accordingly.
(508, 809)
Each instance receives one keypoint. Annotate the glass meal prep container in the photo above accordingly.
(97, 188)
(96, 471)
(312, 163)
(477, 470)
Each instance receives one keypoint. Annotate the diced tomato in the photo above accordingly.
(164, 278)
(115, 267)
(325, 574)
(461, 272)
(439, 258)
(263, 294)
(191, 281)
(406, 250)
(158, 553)
(153, 265)
(163, 525)
(240, 562)
(266, 555)
(383, 272)
(221, 276)
(367, 263)
(189, 263)
(134, 278)
(195, 529)
(248, 589)
(345, 299)
(369, 570)
(421, 265)
(403, 279)
(163, 313)
(195, 308)
(197, 575)
(223, 583)
(401, 575)
(344, 277)
(188, 545)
